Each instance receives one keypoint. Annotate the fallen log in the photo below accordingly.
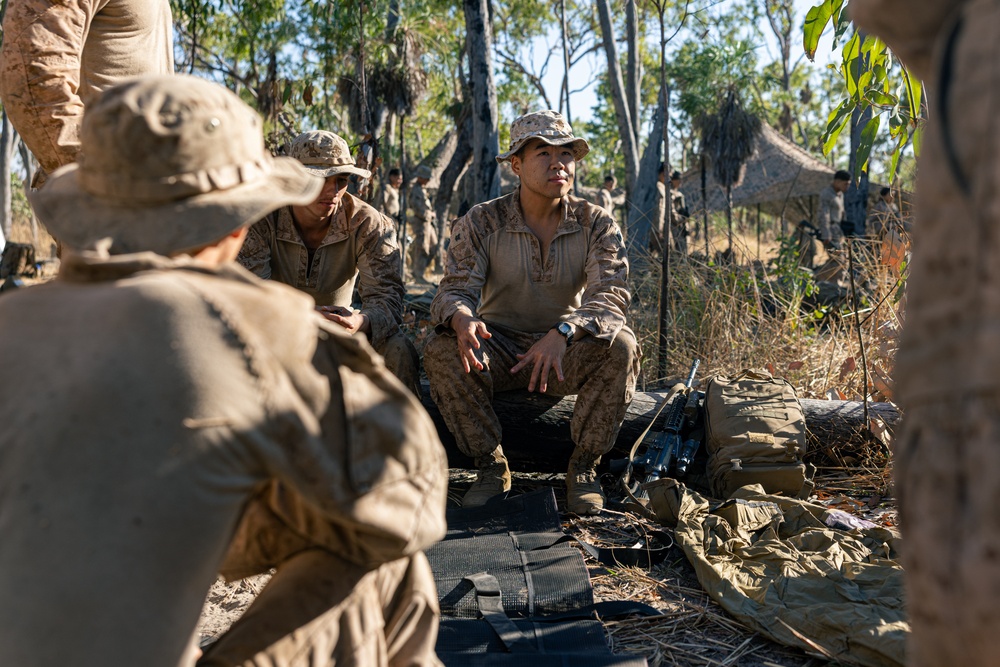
(536, 427)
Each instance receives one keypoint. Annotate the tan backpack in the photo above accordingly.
(755, 433)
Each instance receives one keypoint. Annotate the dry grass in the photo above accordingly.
(734, 316)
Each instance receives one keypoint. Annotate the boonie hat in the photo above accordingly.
(168, 163)
(549, 126)
(423, 171)
(325, 153)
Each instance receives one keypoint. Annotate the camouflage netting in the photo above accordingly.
(779, 172)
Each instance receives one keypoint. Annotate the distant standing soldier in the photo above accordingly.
(337, 243)
(831, 210)
(389, 201)
(884, 215)
(605, 196)
(57, 56)
(679, 214)
(656, 234)
(424, 228)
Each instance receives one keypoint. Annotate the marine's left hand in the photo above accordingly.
(544, 356)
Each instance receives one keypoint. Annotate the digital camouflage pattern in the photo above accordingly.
(56, 56)
(550, 126)
(359, 251)
(325, 153)
(494, 270)
(602, 376)
(946, 463)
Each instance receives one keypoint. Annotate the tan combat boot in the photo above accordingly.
(583, 490)
(492, 480)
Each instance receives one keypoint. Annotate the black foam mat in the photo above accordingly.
(517, 541)
(532, 582)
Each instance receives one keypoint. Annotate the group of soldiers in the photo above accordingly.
(177, 416)
(202, 393)
(609, 197)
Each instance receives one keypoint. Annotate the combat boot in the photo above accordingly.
(583, 490)
(492, 480)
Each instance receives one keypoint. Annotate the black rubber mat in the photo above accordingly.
(534, 580)
(507, 560)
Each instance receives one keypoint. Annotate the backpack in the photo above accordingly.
(755, 433)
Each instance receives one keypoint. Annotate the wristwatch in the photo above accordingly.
(566, 330)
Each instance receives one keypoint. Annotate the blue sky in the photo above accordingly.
(585, 73)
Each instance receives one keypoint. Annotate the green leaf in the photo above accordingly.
(918, 140)
(894, 163)
(816, 20)
(914, 93)
(878, 98)
(865, 144)
(835, 125)
(286, 94)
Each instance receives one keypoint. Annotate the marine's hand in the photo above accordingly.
(544, 356)
(468, 330)
(347, 318)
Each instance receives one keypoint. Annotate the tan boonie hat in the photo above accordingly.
(168, 164)
(325, 153)
(549, 126)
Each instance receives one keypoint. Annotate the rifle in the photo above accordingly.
(668, 450)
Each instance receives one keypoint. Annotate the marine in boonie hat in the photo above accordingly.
(325, 153)
(168, 163)
(549, 126)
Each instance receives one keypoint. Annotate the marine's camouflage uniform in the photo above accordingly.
(360, 249)
(389, 201)
(494, 271)
(678, 221)
(946, 461)
(58, 55)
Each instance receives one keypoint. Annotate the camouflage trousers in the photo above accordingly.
(321, 608)
(402, 360)
(603, 378)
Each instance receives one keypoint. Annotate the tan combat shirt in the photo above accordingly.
(360, 249)
(606, 201)
(495, 270)
(831, 213)
(57, 55)
(156, 397)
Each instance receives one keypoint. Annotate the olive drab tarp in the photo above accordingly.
(776, 565)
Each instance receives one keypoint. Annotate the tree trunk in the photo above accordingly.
(536, 427)
(485, 117)
(633, 71)
(642, 210)
(630, 149)
(856, 197)
(8, 139)
(449, 178)
(704, 204)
